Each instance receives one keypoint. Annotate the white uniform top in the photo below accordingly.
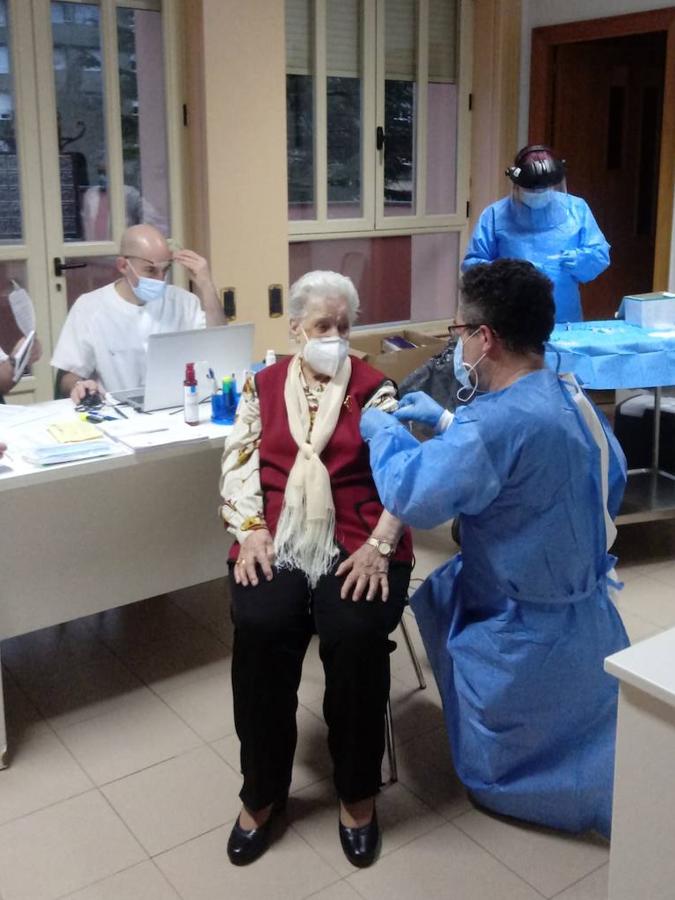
(3, 355)
(106, 337)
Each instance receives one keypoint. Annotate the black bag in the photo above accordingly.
(436, 377)
(635, 432)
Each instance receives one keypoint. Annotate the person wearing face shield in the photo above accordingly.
(544, 224)
(516, 625)
(314, 552)
(103, 342)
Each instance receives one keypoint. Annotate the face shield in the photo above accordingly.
(536, 176)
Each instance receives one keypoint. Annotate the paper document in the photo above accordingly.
(74, 432)
(22, 308)
(13, 415)
(148, 432)
(22, 356)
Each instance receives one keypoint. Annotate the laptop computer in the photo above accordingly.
(227, 349)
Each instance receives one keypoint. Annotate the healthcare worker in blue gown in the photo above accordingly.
(517, 625)
(544, 224)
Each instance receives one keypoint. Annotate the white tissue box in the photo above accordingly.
(656, 310)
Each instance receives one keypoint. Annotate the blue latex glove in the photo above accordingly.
(568, 259)
(419, 407)
(372, 421)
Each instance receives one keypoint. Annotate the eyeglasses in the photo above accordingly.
(455, 328)
(152, 269)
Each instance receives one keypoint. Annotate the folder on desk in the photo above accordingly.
(74, 431)
(53, 454)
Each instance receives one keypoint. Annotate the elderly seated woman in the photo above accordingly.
(315, 552)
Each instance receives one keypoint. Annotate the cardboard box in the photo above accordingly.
(396, 364)
(656, 310)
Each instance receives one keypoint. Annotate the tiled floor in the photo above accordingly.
(124, 771)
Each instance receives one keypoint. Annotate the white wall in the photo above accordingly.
(554, 12)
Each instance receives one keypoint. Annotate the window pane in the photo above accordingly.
(11, 230)
(409, 278)
(143, 105)
(400, 90)
(441, 148)
(300, 109)
(78, 78)
(344, 87)
(435, 268)
(9, 330)
(442, 109)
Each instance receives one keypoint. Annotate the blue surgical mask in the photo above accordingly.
(461, 371)
(464, 371)
(536, 199)
(148, 289)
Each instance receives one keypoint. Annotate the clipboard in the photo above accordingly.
(22, 356)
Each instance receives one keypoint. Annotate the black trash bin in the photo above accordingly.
(634, 429)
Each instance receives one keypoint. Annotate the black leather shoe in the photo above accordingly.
(361, 845)
(245, 846)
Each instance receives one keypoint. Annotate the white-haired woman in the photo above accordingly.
(315, 552)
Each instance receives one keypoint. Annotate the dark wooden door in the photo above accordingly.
(605, 121)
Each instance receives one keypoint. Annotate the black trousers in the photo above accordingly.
(274, 623)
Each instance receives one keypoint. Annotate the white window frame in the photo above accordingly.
(373, 222)
(56, 246)
(31, 248)
(36, 132)
(112, 114)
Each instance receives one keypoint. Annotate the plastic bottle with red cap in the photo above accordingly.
(190, 396)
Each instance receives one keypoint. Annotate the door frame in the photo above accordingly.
(544, 43)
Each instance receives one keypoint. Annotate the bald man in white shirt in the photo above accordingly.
(103, 343)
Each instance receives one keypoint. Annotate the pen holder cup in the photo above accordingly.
(223, 408)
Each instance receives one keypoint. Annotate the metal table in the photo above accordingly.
(615, 355)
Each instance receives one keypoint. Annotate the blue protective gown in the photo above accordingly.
(510, 229)
(517, 625)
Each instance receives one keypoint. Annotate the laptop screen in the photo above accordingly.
(226, 349)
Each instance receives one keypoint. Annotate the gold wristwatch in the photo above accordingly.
(384, 548)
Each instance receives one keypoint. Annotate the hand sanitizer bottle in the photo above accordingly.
(190, 398)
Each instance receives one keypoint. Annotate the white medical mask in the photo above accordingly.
(147, 289)
(325, 355)
(464, 371)
(536, 199)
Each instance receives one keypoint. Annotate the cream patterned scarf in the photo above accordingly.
(305, 536)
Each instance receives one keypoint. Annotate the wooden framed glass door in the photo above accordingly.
(96, 148)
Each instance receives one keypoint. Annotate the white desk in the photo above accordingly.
(86, 537)
(642, 862)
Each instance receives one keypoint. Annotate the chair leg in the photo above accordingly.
(390, 744)
(413, 656)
